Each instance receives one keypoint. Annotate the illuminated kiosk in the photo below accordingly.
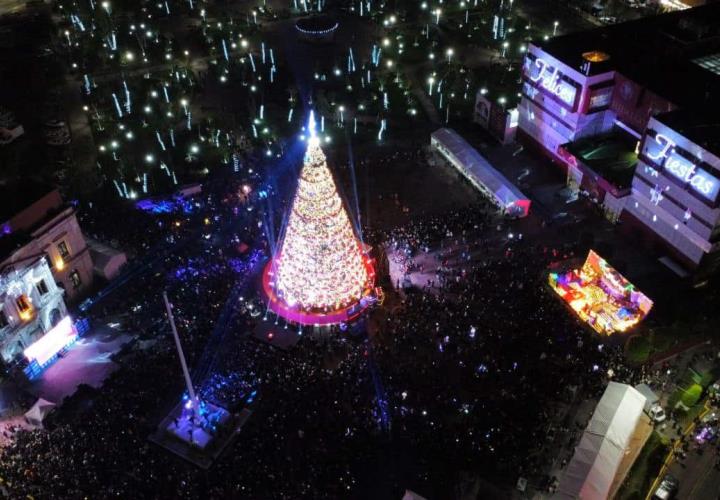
(321, 273)
(600, 296)
(196, 430)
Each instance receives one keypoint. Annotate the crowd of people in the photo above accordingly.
(461, 375)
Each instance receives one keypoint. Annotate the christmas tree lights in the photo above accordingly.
(320, 266)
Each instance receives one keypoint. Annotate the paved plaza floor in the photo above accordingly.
(88, 362)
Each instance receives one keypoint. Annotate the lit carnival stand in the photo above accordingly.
(321, 273)
(601, 296)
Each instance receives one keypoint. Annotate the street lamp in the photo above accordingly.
(449, 54)
(437, 15)
(555, 27)
(431, 80)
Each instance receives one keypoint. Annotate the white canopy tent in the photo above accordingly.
(481, 174)
(591, 472)
(35, 415)
(107, 261)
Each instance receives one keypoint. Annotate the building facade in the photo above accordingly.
(42, 225)
(31, 304)
(560, 104)
(675, 190)
(623, 111)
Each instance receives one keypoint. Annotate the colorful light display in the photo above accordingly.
(320, 266)
(601, 296)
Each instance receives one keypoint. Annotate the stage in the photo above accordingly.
(199, 445)
(87, 362)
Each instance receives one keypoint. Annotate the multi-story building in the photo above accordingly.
(676, 185)
(31, 306)
(600, 103)
(35, 222)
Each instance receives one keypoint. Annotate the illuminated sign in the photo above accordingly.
(551, 80)
(663, 149)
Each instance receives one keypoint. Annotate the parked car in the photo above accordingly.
(657, 414)
(667, 489)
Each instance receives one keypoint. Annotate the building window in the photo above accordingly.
(22, 303)
(42, 287)
(63, 250)
(3, 320)
(24, 307)
(75, 278)
(49, 261)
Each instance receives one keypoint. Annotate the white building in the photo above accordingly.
(676, 184)
(34, 221)
(561, 103)
(31, 305)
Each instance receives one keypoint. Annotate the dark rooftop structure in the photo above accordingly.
(25, 206)
(17, 197)
(699, 126)
(674, 55)
(611, 155)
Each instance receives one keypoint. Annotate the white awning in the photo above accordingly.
(590, 473)
(480, 172)
(35, 415)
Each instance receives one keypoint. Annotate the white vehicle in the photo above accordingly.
(652, 403)
(656, 413)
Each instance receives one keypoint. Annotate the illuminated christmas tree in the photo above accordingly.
(320, 266)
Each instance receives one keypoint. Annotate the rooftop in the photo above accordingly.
(701, 127)
(17, 197)
(611, 156)
(659, 52)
